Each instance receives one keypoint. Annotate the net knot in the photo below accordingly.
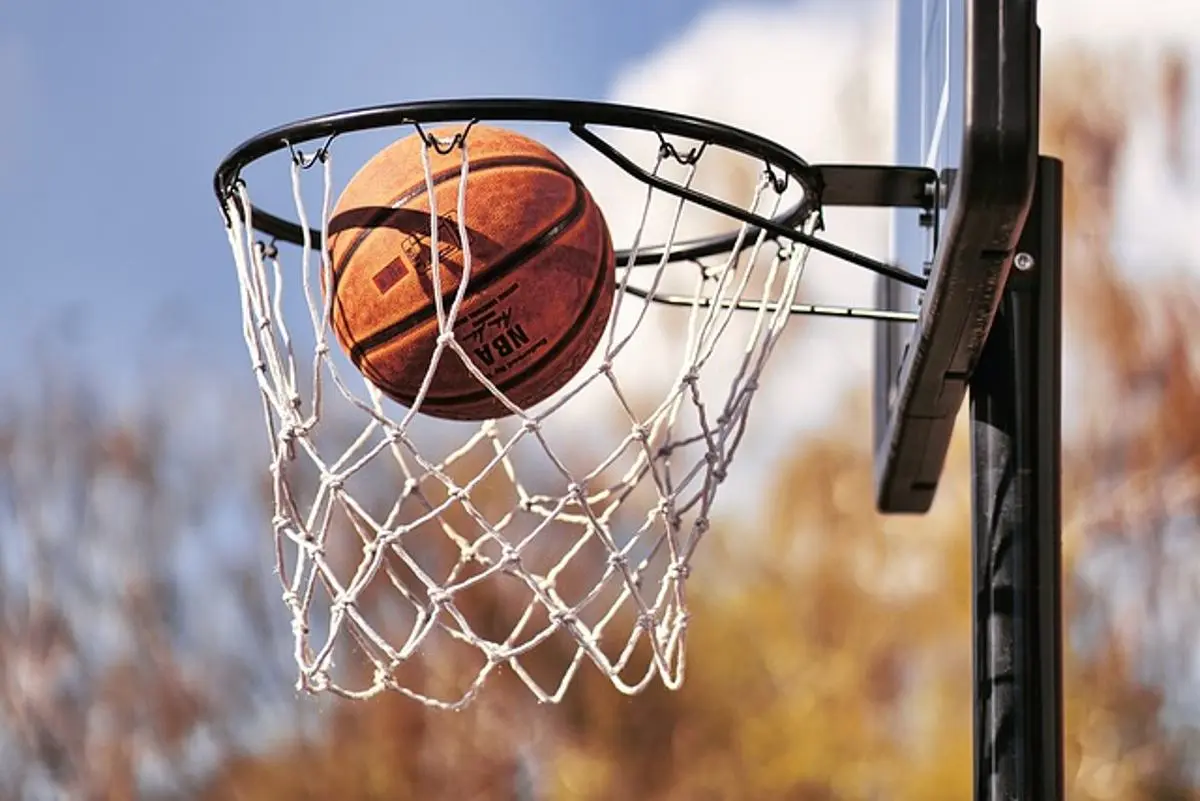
(438, 598)
(299, 625)
(317, 681)
(510, 559)
(563, 617)
(334, 481)
(617, 560)
(491, 653)
(679, 572)
(641, 433)
(338, 607)
(690, 378)
(445, 338)
(290, 433)
(382, 676)
(575, 491)
(646, 621)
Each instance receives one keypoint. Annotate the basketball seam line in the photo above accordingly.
(415, 191)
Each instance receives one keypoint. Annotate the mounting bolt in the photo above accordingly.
(1024, 262)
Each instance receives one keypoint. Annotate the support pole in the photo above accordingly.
(1017, 526)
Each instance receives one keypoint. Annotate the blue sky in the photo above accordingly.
(117, 113)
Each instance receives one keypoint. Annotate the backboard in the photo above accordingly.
(967, 107)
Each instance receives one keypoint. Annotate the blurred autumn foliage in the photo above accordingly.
(829, 651)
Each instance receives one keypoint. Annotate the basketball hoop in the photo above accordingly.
(562, 533)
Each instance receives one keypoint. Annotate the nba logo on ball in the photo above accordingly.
(418, 248)
(416, 252)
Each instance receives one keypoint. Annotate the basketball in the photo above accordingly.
(538, 295)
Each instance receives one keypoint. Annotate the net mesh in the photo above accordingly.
(424, 556)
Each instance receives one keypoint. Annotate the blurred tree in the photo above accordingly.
(1134, 471)
(113, 680)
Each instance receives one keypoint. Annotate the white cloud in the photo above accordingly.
(816, 78)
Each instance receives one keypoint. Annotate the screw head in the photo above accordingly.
(1024, 262)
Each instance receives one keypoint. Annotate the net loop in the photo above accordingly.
(667, 149)
(445, 147)
(778, 182)
(319, 156)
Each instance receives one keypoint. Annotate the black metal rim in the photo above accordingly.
(578, 115)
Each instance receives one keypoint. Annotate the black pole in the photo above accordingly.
(1017, 529)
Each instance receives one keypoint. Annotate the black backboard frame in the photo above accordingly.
(982, 207)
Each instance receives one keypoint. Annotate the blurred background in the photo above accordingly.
(144, 651)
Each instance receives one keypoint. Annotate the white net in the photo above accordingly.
(424, 556)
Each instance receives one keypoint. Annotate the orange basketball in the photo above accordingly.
(541, 282)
